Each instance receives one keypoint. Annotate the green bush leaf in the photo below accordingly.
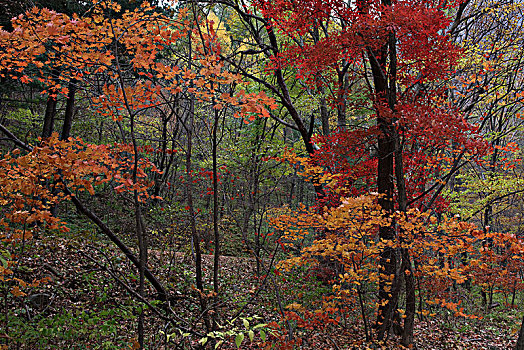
(238, 339)
(262, 335)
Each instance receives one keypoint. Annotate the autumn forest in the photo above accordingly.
(264, 174)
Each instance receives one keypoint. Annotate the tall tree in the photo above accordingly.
(396, 48)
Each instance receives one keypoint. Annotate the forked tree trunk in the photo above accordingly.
(385, 187)
(383, 64)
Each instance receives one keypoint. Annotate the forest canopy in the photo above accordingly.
(274, 174)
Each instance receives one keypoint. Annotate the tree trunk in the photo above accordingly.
(50, 110)
(409, 321)
(288, 104)
(69, 112)
(324, 115)
(388, 260)
(216, 233)
(385, 187)
(520, 341)
(385, 91)
(342, 96)
(407, 271)
(49, 117)
(194, 232)
(192, 215)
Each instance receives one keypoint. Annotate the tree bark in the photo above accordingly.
(287, 102)
(520, 341)
(385, 91)
(195, 237)
(216, 233)
(409, 320)
(385, 187)
(50, 110)
(324, 115)
(342, 96)
(49, 117)
(69, 112)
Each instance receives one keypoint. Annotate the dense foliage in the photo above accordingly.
(262, 175)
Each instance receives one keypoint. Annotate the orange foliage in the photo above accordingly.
(446, 254)
(55, 49)
(82, 49)
(31, 184)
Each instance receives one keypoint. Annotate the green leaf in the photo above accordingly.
(251, 335)
(5, 257)
(238, 339)
(3, 261)
(218, 344)
(203, 341)
(246, 323)
(262, 335)
(260, 325)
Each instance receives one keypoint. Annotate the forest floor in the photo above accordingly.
(82, 307)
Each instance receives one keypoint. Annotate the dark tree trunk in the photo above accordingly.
(50, 110)
(388, 259)
(324, 115)
(49, 117)
(195, 237)
(384, 82)
(216, 233)
(69, 112)
(407, 271)
(288, 104)
(520, 341)
(342, 96)
(385, 186)
(409, 320)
